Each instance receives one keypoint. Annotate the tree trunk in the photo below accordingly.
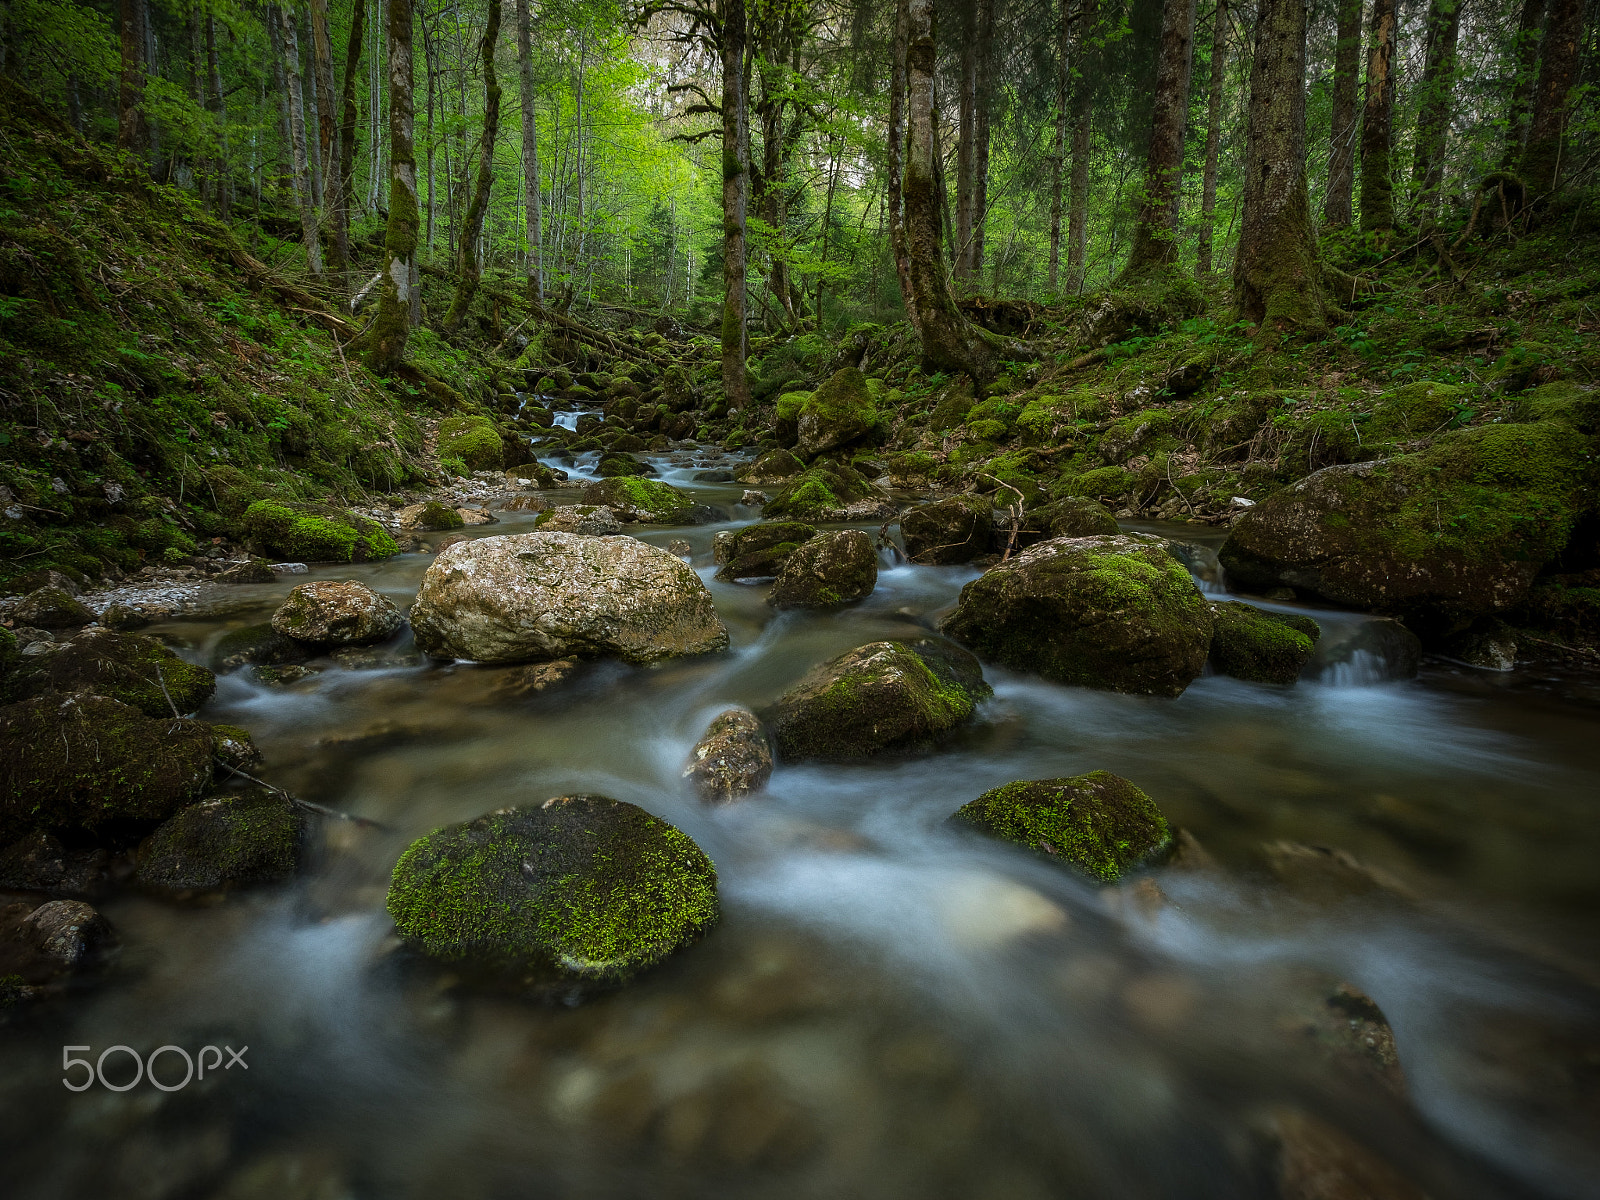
(347, 131)
(1058, 156)
(222, 169)
(133, 133)
(1433, 120)
(310, 111)
(530, 152)
(303, 194)
(894, 201)
(1337, 212)
(1558, 71)
(966, 141)
(1526, 51)
(982, 104)
(393, 324)
(1277, 278)
(328, 146)
(469, 265)
(735, 189)
(1078, 200)
(1208, 181)
(1377, 123)
(280, 80)
(949, 341)
(1155, 231)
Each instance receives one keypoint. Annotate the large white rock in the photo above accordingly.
(529, 596)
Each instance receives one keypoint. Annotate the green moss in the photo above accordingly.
(621, 465)
(1098, 823)
(314, 533)
(137, 670)
(1416, 410)
(988, 430)
(472, 439)
(644, 499)
(790, 404)
(250, 836)
(581, 888)
(1260, 646)
(1103, 483)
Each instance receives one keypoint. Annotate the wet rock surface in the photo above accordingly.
(956, 530)
(829, 570)
(1259, 645)
(232, 838)
(732, 759)
(336, 613)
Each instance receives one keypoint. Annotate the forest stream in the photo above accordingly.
(888, 1007)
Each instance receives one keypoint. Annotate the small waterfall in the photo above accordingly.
(1203, 564)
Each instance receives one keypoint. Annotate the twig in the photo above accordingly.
(322, 810)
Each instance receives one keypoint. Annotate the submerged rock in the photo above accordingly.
(575, 893)
(428, 517)
(1099, 823)
(1261, 646)
(827, 571)
(1106, 612)
(80, 761)
(41, 862)
(250, 836)
(65, 933)
(336, 612)
(884, 697)
(259, 644)
(51, 608)
(129, 667)
(252, 570)
(732, 759)
(955, 530)
(533, 596)
(759, 551)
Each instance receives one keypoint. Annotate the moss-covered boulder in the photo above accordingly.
(251, 570)
(954, 530)
(473, 440)
(233, 838)
(759, 551)
(1104, 612)
(838, 413)
(51, 608)
(233, 748)
(1098, 824)
(775, 466)
(577, 893)
(1440, 537)
(260, 645)
(1102, 483)
(732, 759)
(290, 529)
(81, 761)
(1416, 410)
(1070, 517)
(881, 698)
(828, 492)
(1260, 646)
(827, 571)
(528, 597)
(130, 667)
(428, 517)
(646, 500)
(614, 465)
(336, 612)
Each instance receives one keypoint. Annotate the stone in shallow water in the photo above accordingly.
(577, 893)
(336, 612)
(732, 759)
(1260, 646)
(827, 571)
(250, 836)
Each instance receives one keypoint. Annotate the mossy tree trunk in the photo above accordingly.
(328, 149)
(348, 117)
(949, 341)
(1082, 118)
(966, 141)
(1433, 121)
(1208, 179)
(1337, 208)
(1277, 278)
(305, 199)
(1377, 123)
(530, 152)
(982, 106)
(133, 132)
(735, 196)
(1526, 52)
(1058, 154)
(1155, 230)
(1541, 163)
(894, 200)
(283, 172)
(468, 265)
(392, 326)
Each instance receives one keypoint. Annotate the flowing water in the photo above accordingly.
(887, 1008)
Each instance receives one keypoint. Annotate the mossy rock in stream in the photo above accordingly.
(259, 644)
(759, 551)
(836, 414)
(1260, 646)
(290, 529)
(824, 492)
(82, 761)
(1098, 824)
(833, 569)
(775, 466)
(578, 893)
(233, 838)
(954, 530)
(52, 608)
(129, 667)
(474, 440)
(646, 500)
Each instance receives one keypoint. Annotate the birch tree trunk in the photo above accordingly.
(303, 194)
(1337, 212)
(1155, 240)
(395, 300)
(469, 265)
(1208, 179)
(1377, 123)
(1277, 278)
(530, 152)
(735, 189)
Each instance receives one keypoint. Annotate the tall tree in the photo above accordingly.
(1337, 209)
(1155, 242)
(1058, 154)
(221, 171)
(1541, 163)
(468, 265)
(735, 196)
(133, 131)
(328, 145)
(304, 196)
(1083, 116)
(348, 117)
(392, 327)
(894, 198)
(1377, 123)
(1433, 120)
(949, 341)
(1525, 52)
(1208, 179)
(982, 115)
(530, 152)
(1277, 278)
